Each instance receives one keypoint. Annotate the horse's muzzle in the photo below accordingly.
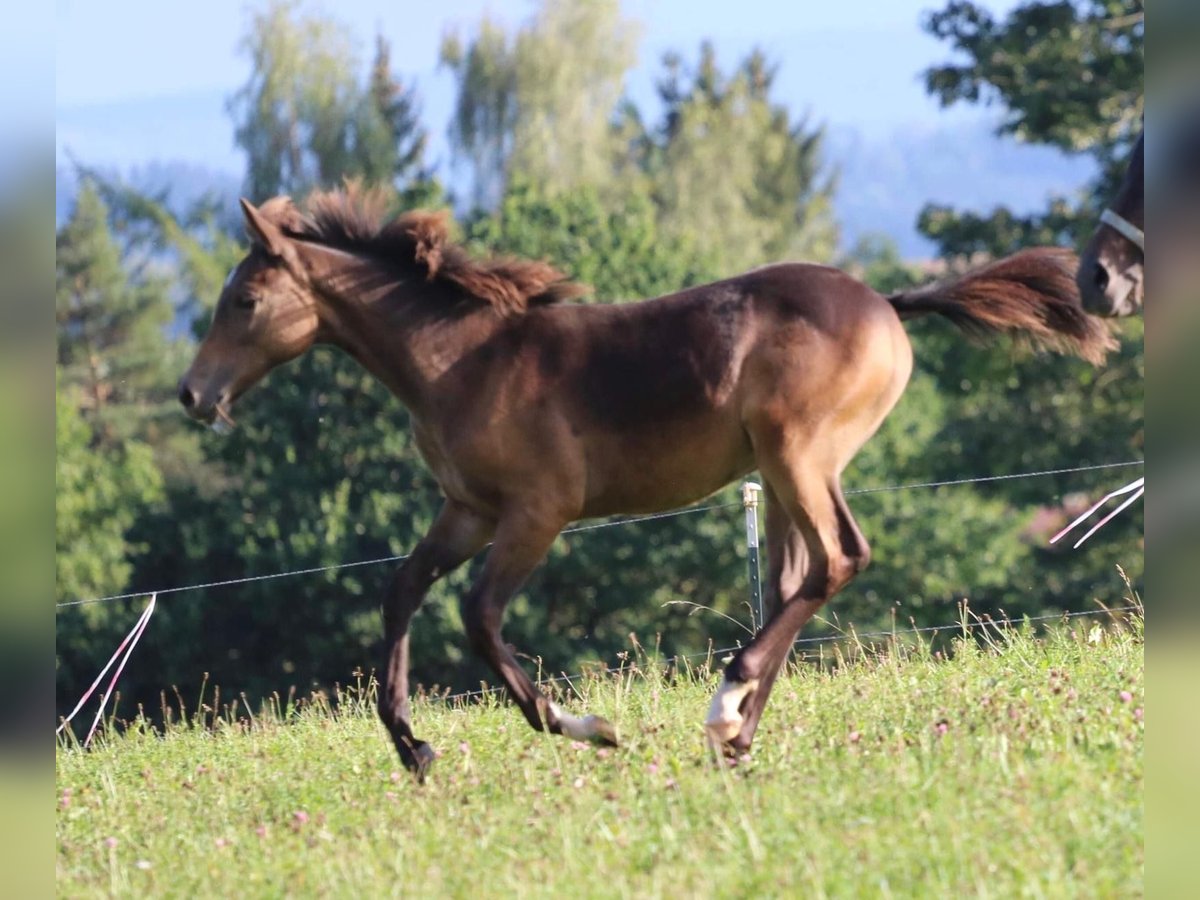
(1108, 294)
(211, 411)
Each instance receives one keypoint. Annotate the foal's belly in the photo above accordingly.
(665, 470)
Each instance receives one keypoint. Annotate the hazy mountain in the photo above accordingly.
(885, 181)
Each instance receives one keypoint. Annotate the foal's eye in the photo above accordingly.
(246, 301)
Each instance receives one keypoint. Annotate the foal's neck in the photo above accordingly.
(392, 324)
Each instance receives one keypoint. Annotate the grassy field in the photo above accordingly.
(1012, 768)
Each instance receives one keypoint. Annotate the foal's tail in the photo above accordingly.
(1031, 295)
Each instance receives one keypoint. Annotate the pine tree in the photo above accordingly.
(402, 138)
(112, 345)
(731, 171)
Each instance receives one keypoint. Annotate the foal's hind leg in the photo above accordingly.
(456, 536)
(857, 552)
(521, 544)
(834, 552)
(787, 562)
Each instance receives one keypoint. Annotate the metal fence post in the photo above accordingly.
(750, 492)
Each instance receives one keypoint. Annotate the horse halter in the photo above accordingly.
(1125, 228)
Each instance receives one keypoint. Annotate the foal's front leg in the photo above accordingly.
(520, 545)
(456, 535)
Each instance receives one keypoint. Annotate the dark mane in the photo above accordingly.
(355, 219)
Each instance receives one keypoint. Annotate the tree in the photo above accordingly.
(323, 471)
(621, 251)
(101, 488)
(248, 504)
(110, 327)
(398, 142)
(304, 120)
(542, 103)
(1067, 74)
(730, 170)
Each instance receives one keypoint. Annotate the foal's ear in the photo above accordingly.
(262, 231)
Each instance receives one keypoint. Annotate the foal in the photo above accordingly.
(532, 413)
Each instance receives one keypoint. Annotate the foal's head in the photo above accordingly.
(265, 316)
(344, 246)
(1111, 270)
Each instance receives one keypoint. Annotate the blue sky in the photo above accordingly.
(138, 81)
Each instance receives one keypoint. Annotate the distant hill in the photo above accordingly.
(885, 181)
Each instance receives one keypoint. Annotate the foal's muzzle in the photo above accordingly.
(211, 410)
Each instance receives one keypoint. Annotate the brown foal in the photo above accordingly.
(533, 413)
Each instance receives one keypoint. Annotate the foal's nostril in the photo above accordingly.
(1100, 276)
(186, 397)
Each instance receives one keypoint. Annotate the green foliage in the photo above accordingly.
(110, 323)
(397, 144)
(540, 104)
(964, 236)
(100, 490)
(731, 172)
(1068, 74)
(621, 251)
(304, 120)
(1015, 771)
(103, 488)
(198, 247)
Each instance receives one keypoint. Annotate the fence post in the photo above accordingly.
(750, 492)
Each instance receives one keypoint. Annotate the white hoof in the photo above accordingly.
(724, 721)
(589, 728)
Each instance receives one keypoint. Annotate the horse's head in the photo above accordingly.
(265, 316)
(1111, 279)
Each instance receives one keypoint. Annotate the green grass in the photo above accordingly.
(1031, 784)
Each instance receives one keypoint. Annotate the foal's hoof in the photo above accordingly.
(603, 732)
(596, 729)
(422, 759)
(721, 733)
(725, 719)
